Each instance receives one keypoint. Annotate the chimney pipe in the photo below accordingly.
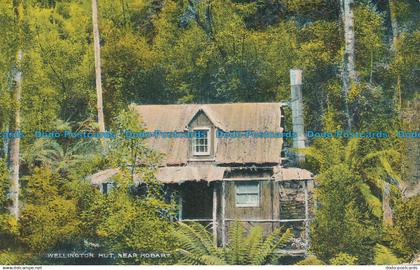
(296, 105)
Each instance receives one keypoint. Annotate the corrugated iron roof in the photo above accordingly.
(102, 176)
(287, 174)
(178, 175)
(227, 117)
(168, 175)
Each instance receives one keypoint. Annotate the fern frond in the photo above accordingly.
(314, 153)
(205, 237)
(391, 153)
(388, 168)
(213, 260)
(254, 240)
(384, 255)
(271, 243)
(191, 239)
(350, 151)
(374, 203)
(376, 176)
(236, 247)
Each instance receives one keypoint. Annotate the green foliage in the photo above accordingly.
(373, 168)
(156, 51)
(197, 246)
(343, 259)
(340, 225)
(121, 222)
(4, 185)
(351, 181)
(134, 216)
(384, 255)
(48, 218)
(404, 235)
(310, 260)
(6, 224)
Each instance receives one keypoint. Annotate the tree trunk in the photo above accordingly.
(14, 157)
(394, 48)
(386, 205)
(394, 24)
(15, 142)
(97, 48)
(349, 71)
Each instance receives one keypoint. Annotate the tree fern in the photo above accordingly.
(236, 249)
(196, 246)
(254, 240)
(374, 203)
(374, 175)
(384, 255)
(195, 239)
(270, 245)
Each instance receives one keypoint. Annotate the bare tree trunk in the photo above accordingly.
(6, 143)
(394, 23)
(97, 48)
(14, 157)
(349, 75)
(394, 48)
(386, 206)
(15, 142)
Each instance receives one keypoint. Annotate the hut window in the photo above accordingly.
(247, 194)
(201, 142)
(107, 187)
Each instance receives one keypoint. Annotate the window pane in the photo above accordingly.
(247, 199)
(200, 143)
(247, 188)
(247, 193)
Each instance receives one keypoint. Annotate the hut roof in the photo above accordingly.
(226, 117)
(180, 174)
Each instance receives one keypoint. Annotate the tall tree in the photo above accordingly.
(15, 142)
(349, 71)
(394, 47)
(394, 22)
(101, 121)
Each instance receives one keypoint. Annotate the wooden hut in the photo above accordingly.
(235, 170)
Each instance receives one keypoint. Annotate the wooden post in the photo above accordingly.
(272, 204)
(306, 216)
(223, 213)
(215, 213)
(97, 48)
(180, 207)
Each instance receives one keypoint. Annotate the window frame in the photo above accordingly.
(193, 143)
(247, 182)
(107, 187)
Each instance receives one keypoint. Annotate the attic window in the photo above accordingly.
(201, 142)
(107, 187)
(247, 194)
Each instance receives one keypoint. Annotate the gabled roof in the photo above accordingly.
(227, 117)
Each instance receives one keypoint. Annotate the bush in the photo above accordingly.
(343, 259)
(311, 260)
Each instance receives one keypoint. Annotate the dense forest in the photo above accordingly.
(361, 64)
